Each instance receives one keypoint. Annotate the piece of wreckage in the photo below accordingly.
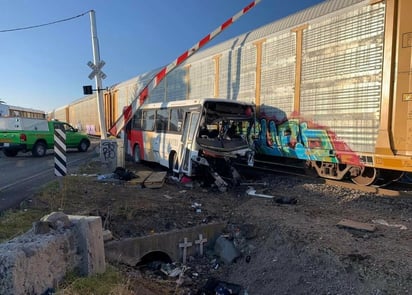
(224, 140)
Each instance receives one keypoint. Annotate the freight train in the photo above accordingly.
(332, 85)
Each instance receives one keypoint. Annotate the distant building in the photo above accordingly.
(4, 110)
(15, 111)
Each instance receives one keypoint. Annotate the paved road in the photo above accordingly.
(23, 175)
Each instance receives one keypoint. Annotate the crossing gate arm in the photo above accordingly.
(128, 113)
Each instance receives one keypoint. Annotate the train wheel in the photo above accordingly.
(386, 177)
(310, 169)
(368, 177)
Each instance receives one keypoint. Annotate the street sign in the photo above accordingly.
(97, 70)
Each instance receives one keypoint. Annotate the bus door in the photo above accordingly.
(156, 147)
(190, 123)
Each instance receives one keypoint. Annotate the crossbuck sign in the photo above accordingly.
(97, 70)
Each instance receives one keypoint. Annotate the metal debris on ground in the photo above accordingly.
(171, 270)
(252, 192)
(197, 206)
(217, 287)
(253, 183)
(219, 182)
(286, 200)
(384, 222)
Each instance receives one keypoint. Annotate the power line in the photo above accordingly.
(43, 25)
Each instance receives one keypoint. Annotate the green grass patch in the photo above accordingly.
(110, 282)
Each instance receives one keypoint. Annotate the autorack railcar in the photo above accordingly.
(331, 84)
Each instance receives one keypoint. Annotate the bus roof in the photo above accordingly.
(190, 102)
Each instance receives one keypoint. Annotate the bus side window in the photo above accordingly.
(148, 120)
(162, 120)
(176, 119)
(137, 120)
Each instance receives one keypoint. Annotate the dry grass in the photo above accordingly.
(109, 283)
(72, 195)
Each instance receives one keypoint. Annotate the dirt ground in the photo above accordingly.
(286, 248)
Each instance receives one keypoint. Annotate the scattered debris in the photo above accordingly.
(217, 287)
(170, 269)
(254, 183)
(252, 192)
(123, 174)
(155, 180)
(103, 177)
(286, 200)
(185, 179)
(384, 222)
(197, 206)
(219, 182)
(181, 279)
(347, 223)
(226, 250)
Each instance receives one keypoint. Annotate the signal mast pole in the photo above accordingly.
(98, 75)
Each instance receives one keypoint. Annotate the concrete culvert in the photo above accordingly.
(154, 260)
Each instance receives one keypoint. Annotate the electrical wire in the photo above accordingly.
(43, 25)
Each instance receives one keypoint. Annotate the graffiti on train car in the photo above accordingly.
(302, 139)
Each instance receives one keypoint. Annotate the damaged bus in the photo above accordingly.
(194, 137)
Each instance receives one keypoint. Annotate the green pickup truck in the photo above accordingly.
(19, 134)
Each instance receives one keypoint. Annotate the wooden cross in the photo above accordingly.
(185, 245)
(201, 241)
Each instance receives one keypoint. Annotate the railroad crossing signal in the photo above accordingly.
(97, 70)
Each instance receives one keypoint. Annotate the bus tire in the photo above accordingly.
(136, 155)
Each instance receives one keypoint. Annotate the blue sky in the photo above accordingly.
(45, 68)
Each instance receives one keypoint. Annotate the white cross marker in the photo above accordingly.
(201, 241)
(97, 70)
(185, 245)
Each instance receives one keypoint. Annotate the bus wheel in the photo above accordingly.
(136, 155)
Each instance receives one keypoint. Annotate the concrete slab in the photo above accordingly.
(130, 251)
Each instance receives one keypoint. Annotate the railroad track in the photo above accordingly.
(398, 189)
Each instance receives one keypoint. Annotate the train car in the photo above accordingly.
(331, 85)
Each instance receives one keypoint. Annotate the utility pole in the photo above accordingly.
(98, 75)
